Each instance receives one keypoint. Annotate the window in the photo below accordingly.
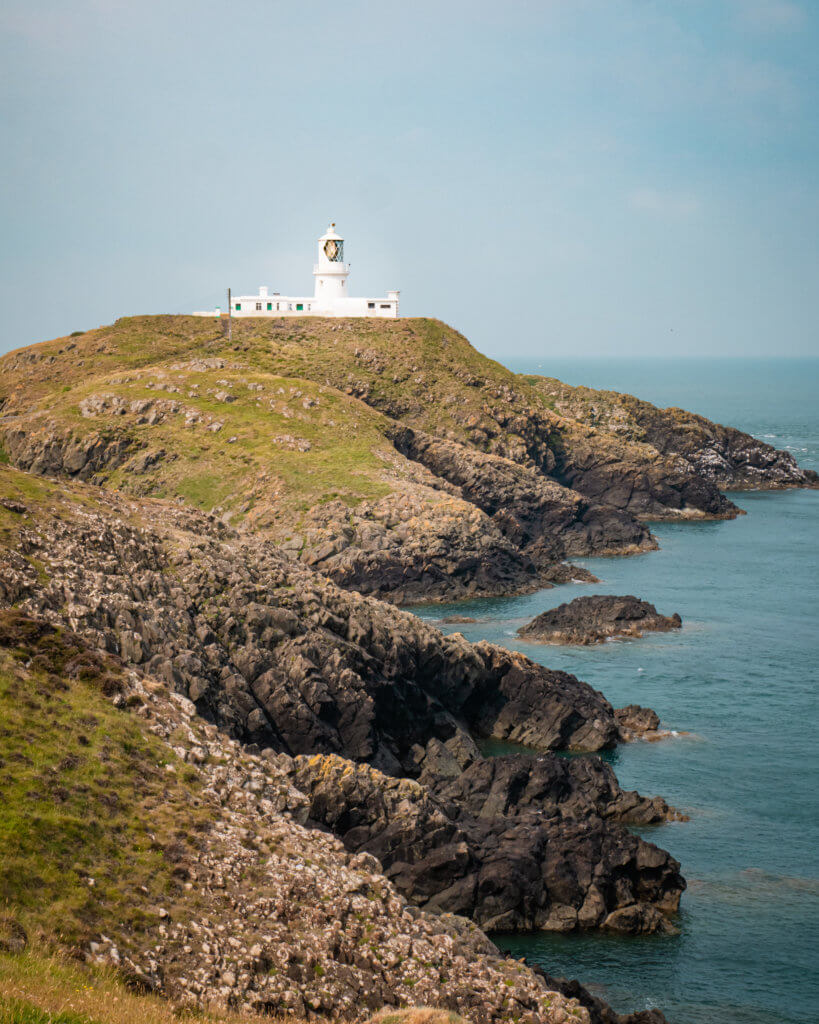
(258, 305)
(270, 305)
(370, 305)
(277, 307)
(299, 305)
(238, 306)
(385, 305)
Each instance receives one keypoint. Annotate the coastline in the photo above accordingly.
(367, 712)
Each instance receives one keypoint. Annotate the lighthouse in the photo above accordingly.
(331, 271)
(329, 296)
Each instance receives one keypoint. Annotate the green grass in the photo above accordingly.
(16, 1011)
(41, 988)
(417, 370)
(256, 455)
(89, 811)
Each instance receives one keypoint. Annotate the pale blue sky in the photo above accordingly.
(577, 177)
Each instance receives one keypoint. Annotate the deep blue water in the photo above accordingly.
(741, 678)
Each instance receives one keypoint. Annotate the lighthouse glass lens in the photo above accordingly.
(333, 250)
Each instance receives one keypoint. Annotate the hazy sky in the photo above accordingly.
(578, 177)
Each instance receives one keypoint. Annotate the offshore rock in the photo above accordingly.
(598, 1011)
(590, 620)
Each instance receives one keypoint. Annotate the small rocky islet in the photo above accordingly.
(205, 545)
(597, 618)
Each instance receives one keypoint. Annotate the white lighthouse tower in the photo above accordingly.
(331, 271)
(329, 298)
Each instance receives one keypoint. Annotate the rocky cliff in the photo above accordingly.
(196, 539)
(239, 658)
(390, 456)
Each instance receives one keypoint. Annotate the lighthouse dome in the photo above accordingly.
(330, 234)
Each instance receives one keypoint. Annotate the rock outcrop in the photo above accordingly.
(282, 659)
(598, 1011)
(548, 521)
(592, 620)
(259, 914)
(516, 843)
(418, 544)
(726, 457)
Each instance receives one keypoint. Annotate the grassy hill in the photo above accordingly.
(287, 416)
(317, 433)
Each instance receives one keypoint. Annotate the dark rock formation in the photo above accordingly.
(416, 546)
(13, 937)
(637, 721)
(515, 843)
(636, 481)
(590, 620)
(281, 658)
(257, 913)
(549, 522)
(722, 456)
(50, 452)
(511, 786)
(599, 1012)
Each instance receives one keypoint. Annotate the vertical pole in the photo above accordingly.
(230, 317)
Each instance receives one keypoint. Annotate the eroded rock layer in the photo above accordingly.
(283, 659)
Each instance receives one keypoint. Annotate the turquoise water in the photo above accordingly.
(741, 680)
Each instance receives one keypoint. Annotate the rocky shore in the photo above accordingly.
(391, 458)
(592, 620)
(216, 537)
(275, 664)
(284, 660)
(259, 913)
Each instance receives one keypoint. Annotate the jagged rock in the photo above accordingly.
(281, 657)
(589, 620)
(723, 456)
(638, 919)
(637, 720)
(549, 522)
(416, 545)
(269, 916)
(514, 843)
(284, 660)
(598, 1011)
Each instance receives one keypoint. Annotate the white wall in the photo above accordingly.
(359, 307)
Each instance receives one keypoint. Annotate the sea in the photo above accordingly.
(738, 686)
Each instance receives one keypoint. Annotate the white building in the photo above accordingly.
(329, 298)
